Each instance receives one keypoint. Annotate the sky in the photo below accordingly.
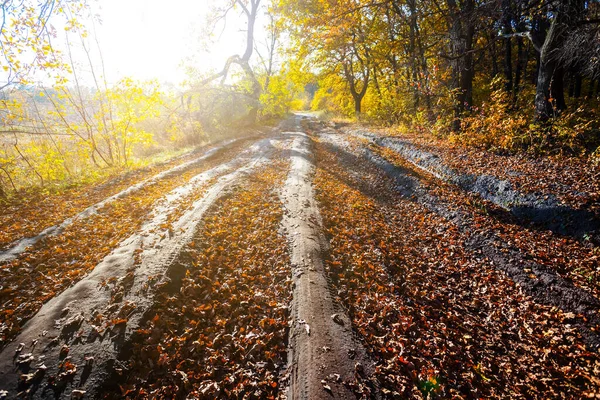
(150, 39)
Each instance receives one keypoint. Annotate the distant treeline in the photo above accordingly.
(529, 66)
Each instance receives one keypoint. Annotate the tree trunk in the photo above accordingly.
(538, 34)
(521, 65)
(455, 51)
(357, 106)
(571, 90)
(557, 89)
(357, 95)
(550, 86)
(245, 64)
(244, 61)
(577, 89)
(547, 70)
(591, 88)
(536, 73)
(543, 104)
(493, 54)
(506, 21)
(424, 78)
(468, 68)
(414, 64)
(462, 32)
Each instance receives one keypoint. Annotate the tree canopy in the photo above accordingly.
(400, 60)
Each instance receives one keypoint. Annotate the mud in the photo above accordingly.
(324, 356)
(22, 245)
(79, 340)
(548, 287)
(72, 342)
(541, 209)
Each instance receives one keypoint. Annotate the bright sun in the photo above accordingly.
(149, 40)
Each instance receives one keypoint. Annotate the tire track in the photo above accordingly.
(23, 244)
(440, 321)
(549, 288)
(219, 328)
(58, 262)
(543, 209)
(325, 360)
(87, 324)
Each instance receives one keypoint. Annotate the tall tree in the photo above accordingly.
(250, 9)
(552, 24)
(461, 28)
(339, 38)
(507, 21)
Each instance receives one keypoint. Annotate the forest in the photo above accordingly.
(506, 75)
(511, 76)
(299, 199)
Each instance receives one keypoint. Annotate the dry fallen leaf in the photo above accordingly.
(337, 319)
(326, 386)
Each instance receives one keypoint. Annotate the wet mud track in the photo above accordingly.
(326, 360)
(88, 323)
(470, 302)
(542, 283)
(59, 260)
(310, 264)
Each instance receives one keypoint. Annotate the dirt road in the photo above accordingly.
(309, 263)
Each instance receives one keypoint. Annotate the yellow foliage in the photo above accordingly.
(333, 96)
(504, 125)
(494, 125)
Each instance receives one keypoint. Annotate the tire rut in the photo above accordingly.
(87, 324)
(325, 358)
(542, 209)
(549, 288)
(218, 329)
(22, 245)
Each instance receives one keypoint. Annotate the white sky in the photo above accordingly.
(149, 39)
(152, 39)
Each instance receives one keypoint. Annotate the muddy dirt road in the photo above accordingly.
(307, 263)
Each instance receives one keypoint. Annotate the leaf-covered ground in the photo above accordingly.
(578, 261)
(218, 329)
(438, 320)
(575, 181)
(28, 213)
(55, 263)
(421, 272)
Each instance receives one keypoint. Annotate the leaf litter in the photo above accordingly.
(439, 321)
(57, 262)
(436, 317)
(218, 328)
(574, 260)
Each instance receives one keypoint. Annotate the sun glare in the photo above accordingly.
(147, 40)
